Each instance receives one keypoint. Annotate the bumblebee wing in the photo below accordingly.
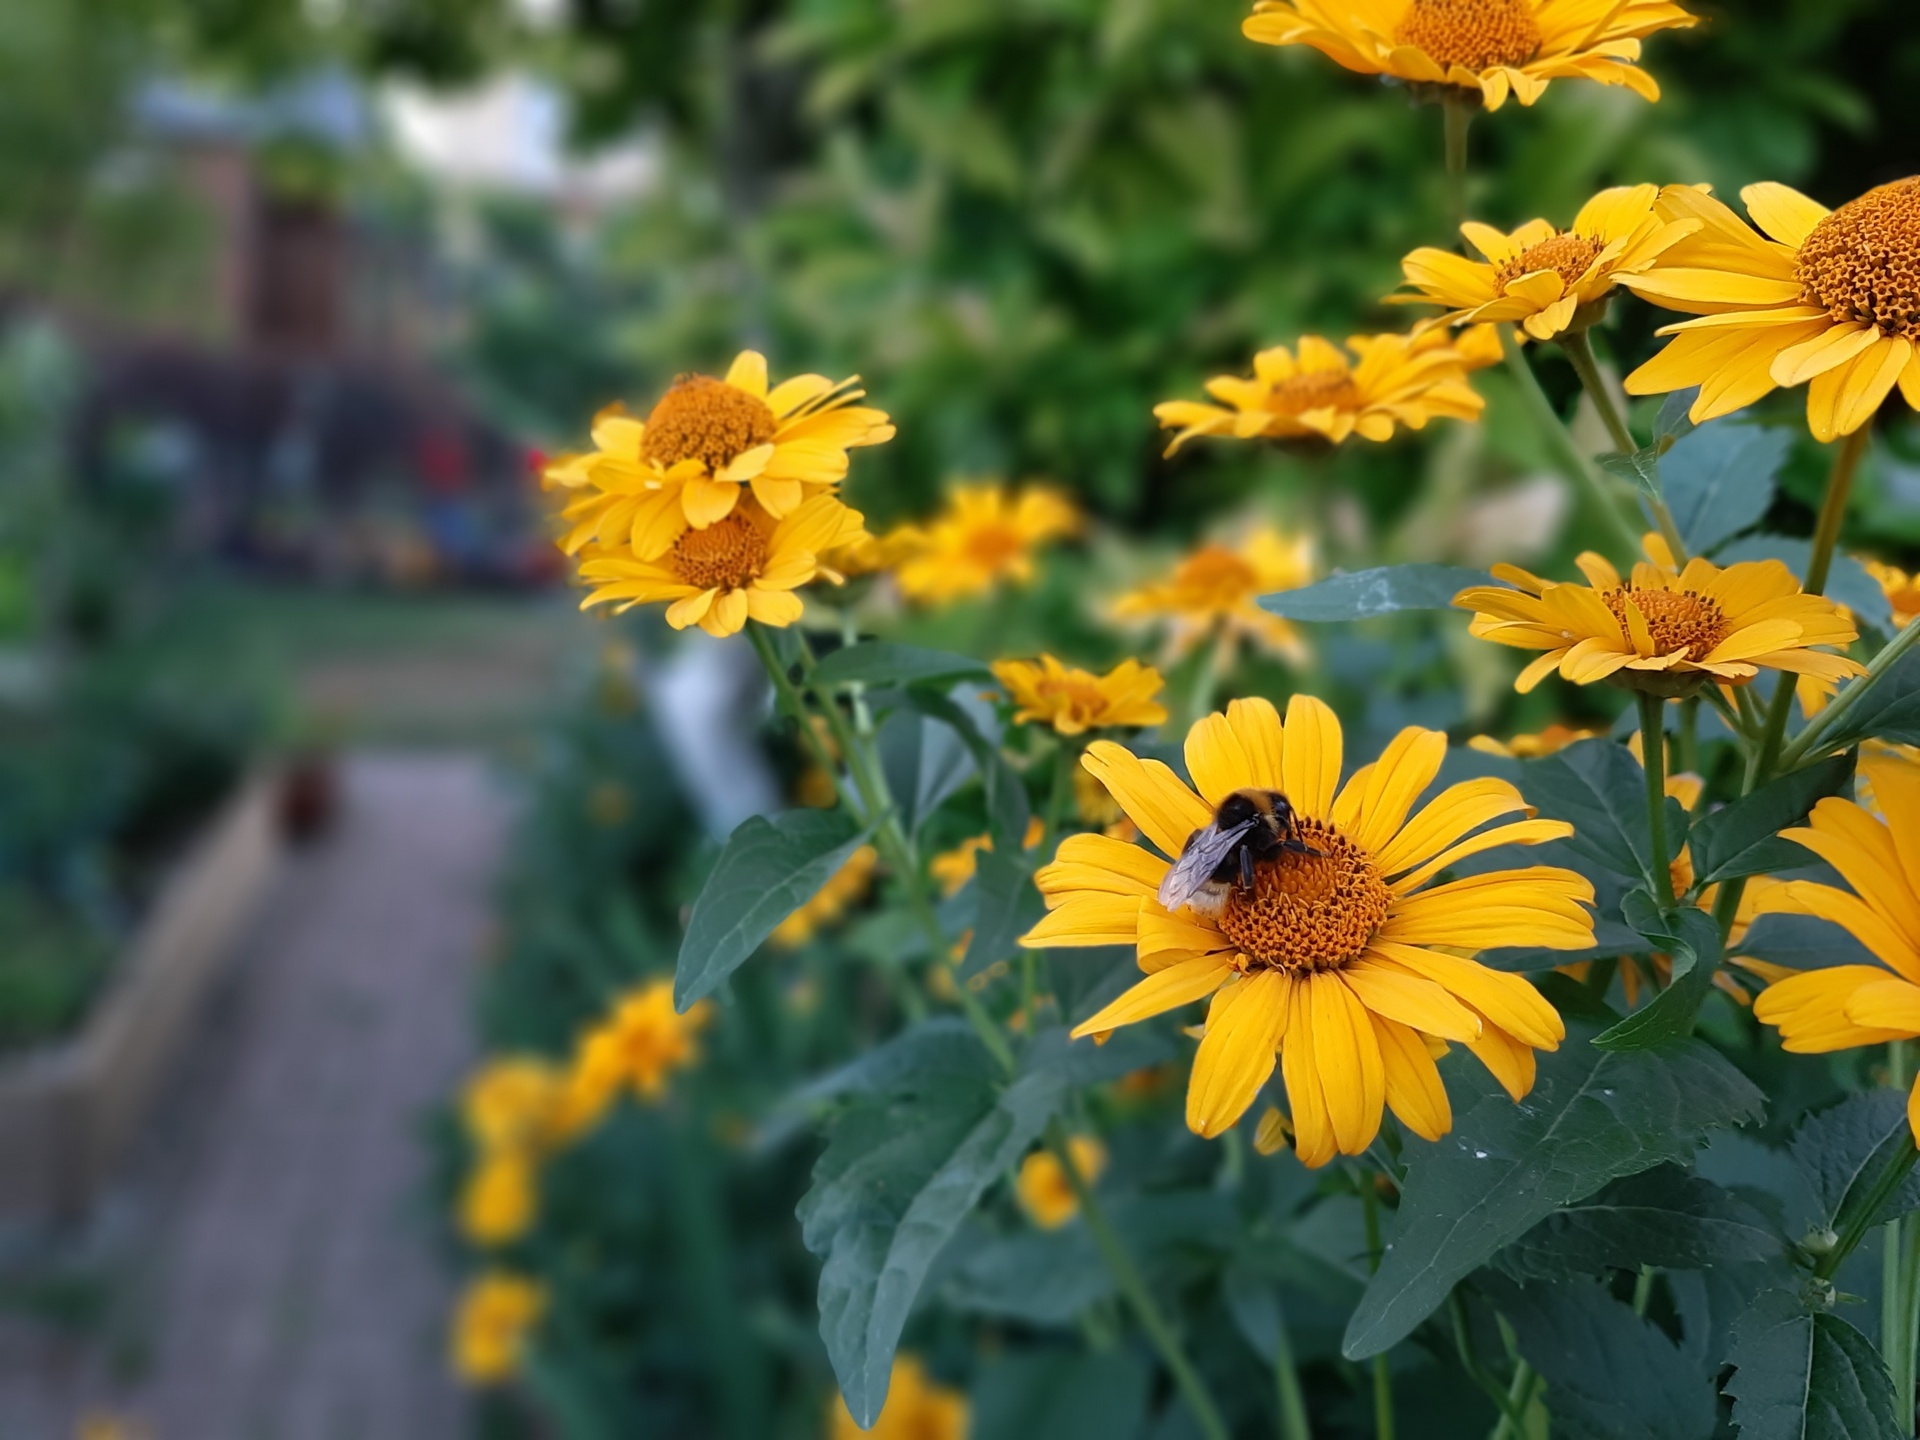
(1201, 857)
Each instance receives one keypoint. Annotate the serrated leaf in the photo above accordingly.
(903, 1167)
(1593, 1116)
(1609, 1373)
(1063, 1395)
(1599, 788)
(1847, 1148)
(1890, 710)
(886, 662)
(1719, 479)
(1381, 591)
(1665, 1217)
(1691, 941)
(1744, 838)
(1847, 581)
(1802, 1376)
(1803, 942)
(768, 869)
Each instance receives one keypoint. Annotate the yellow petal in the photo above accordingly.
(1160, 992)
(1166, 811)
(1311, 759)
(1237, 1054)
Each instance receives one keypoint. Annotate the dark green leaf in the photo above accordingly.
(883, 662)
(1005, 906)
(924, 760)
(1381, 591)
(1673, 421)
(1846, 1150)
(1599, 788)
(1037, 1277)
(1081, 1062)
(1719, 479)
(1593, 1116)
(768, 869)
(1744, 837)
(1641, 469)
(1802, 1376)
(1062, 1395)
(1690, 939)
(1847, 582)
(1665, 1217)
(904, 1165)
(1609, 1373)
(1007, 805)
(1803, 942)
(1890, 710)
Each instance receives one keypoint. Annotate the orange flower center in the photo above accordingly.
(708, 420)
(1308, 912)
(1676, 619)
(1214, 578)
(992, 546)
(1477, 34)
(725, 556)
(1862, 263)
(1077, 695)
(1568, 255)
(1312, 390)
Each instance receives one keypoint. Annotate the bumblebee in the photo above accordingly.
(1250, 827)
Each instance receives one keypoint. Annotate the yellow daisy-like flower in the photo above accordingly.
(1829, 299)
(512, 1103)
(1216, 590)
(1663, 629)
(498, 1202)
(1320, 392)
(1539, 277)
(1076, 701)
(491, 1325)
(1043, 1188)
(1344, 961)
(742, 567)
(1555, 738)
(918, 1408)
(986, 537)
(1902, 590)
(637, 1047)
(704, 443)
(844, 889)
(1847, 1005)
(1486, 48)
(953, 868)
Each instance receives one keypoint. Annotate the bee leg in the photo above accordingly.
(1300, 847)
(1246, 868)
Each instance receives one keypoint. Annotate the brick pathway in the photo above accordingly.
(285, 1287)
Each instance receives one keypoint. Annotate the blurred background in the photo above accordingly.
(314, 784)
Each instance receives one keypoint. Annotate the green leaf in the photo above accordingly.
(905, 1163)
(1063, 1395)
(1845, 1151)
(884, 662)
(1691, 940)
(1599, 788)
(1719, 479)
(1673, 421)
(1890, 710)
(1666, 1217)
(1594, 1115)
(768, 869)
(1641, 469)
(1006, 904)
(1847, 581)
(1609, 1373)
(1037, 1277)
(924, 761)
(1744, 837)
(1381, 591)
(1803, 942)
(1007, 805)
(1802, 1376)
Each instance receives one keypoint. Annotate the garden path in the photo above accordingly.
(287, 1288)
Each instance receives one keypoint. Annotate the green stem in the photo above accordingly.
(1861, 1220)
(1512, 1415)
(1653, 746)
(790, 701)
(1900, 1270)
(1578, 347)
(1382, 1381)
(734, 1372)
(1457, 117)
(1577, 464)
(1286, 1383)
(1643, 1290)
(1809, 739)
(1513, 1419)
(1065, 761)
(1133, 1286)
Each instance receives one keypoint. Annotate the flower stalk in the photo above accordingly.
(1653, 745)
(1382, 1379)
(1578, 465)
(1578, 347)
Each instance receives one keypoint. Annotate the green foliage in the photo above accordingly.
(1600, 789)
(1801, 1374)
(1382, 591)
(1664, 1217)
(1744, 837)
(1852, 1153)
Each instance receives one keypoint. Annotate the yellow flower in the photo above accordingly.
(1343, 960)
(1540, 277)
(918, 1408)
(1902, 590)
(110, 1427)
(1042, 1186)
(845, 888)
(490, 1327)
(1076, 701)
(705, 441)
(498, 1202)
(638, 1046)
(1847, 1005)
(1829, 299)
(1395, 379)
(1216, 591)
(1486, 48)
(1663, 629)
(953, 868)
(512, 1103)
(742, 567)
(987, 535)
(1554, 738)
